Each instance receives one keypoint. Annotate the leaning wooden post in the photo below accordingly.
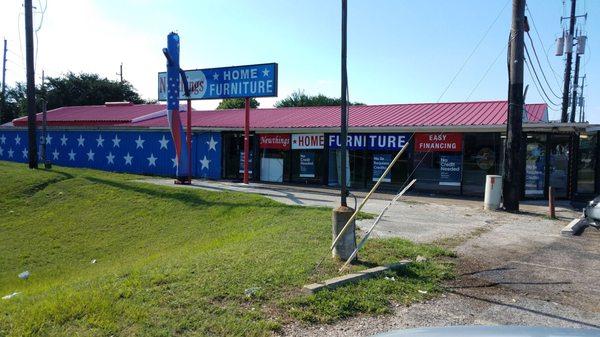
(551, 210)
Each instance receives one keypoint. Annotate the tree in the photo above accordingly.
(299, 99)
(237, 103)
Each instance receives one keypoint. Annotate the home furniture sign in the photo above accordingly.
(258, 80)
(438, 142)
(277, 141)
(370, 141)
(308, 141)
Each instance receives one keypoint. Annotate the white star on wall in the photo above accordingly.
(3, 139)
(80, 140)
(205, 162)
(63, 140)
(163, 142)
(17, 140)
(48, 140)
(71, 155)
(10, 153)
(174, 160)
(151, 160)
(24, 152)
(90, 155)
(212, 144)
(116, 141)
(55, 154)
(110, 158)
(128, 158)
(100, 141)
(139, 142)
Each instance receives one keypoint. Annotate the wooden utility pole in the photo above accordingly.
(32, 156)
(513, 156)
(575, 86)
(344, 105)
(569, 51)
(4, 72)
(121, 72)
(582, 102)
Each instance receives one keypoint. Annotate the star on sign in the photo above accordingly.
(63, 140)
(116, 141)
(71, 155)
(55, 154)
(212, 145)
(24, 152)
(265, 72)
(90, 155)
(139, 142)
(110, 158)
(10, 153)
(48, 140)
(80, 140)
(216, 76)
(128, 158)
(163, 142)
(17, 140)
(3, 139)
(151, 160)
(100, 141)
(204, 163)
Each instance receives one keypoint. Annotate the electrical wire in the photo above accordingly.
(536, 76)
(485, 73)
(472, 52)
(556, 76)
(540, 92)
(540, 65)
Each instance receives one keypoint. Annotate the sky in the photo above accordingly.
(399, 51)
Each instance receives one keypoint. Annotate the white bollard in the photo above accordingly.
(493, 192)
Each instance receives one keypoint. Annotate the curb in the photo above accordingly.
(574, 227)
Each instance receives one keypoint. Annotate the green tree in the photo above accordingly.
(14, 104)
(299, 99)
(236, 103)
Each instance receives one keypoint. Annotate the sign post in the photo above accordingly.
(257, 80)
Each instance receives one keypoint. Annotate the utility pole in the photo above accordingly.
(120, 73)
(569, 51)
(582, 101)
(33, 156)
(575, 83)
(512, 165)
(4, 72)
(344, 247)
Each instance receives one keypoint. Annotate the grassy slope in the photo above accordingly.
(173, 261)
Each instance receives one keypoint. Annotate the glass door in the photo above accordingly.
(559, 165)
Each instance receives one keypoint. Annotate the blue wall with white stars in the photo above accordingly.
(140, 152)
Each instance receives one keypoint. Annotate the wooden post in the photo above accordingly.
(551, 211)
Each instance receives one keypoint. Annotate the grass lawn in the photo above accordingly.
(176, 261)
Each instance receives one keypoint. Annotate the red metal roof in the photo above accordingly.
(95, 115)
(391, 115)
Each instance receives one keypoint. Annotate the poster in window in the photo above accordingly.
(535, 169)
(307, 164)
(380, 163)
(450, 170)
(242, 162)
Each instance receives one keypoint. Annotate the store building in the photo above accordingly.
(451, 146)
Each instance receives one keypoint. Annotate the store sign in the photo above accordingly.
(257, 80)
(307, 164)
(308, 141)
(370, 141)
(276, 141)
(242, 162)
(380, 164)
(438, 142)
(450, 170)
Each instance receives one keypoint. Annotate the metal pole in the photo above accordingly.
(121, 72)
(575, 83)
(512, 172)
(551, 208)
(189, 137)
(4, 72)
(246, 138)
(33, 160)
(581, 111)
(44, 125)
(344, 107)
(567, 79)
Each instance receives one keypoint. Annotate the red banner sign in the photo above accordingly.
(277, 141)
(438, 142)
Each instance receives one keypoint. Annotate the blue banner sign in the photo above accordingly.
(370, 141)
(258, 80)
(307, 164)
(380, 164)
(450, 170)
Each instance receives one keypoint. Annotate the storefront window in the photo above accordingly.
(438, 161)
(481, 157)
(588, 151)
(535, 165)
(307, 166)
(559, 164)
(274, 150)
(233, 150)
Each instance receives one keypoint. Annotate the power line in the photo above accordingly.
(472, 52)
(541, 92)
(488, 70)
(542, 44)
(540, 65)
